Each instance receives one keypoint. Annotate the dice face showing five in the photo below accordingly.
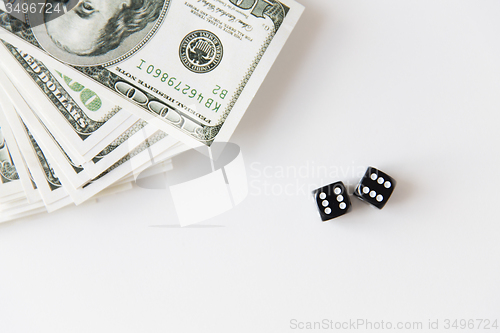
(375, 187)
(332, 201)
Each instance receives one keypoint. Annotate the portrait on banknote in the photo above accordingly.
(95, 32)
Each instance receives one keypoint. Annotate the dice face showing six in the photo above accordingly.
(332, 201)
(375, 187)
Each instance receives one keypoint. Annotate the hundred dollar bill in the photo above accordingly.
(78, 117)
(110, 149)
(54, 170)
(47, 183)
(49, 144)
(190, 67)
(76, 176)
(54, 193)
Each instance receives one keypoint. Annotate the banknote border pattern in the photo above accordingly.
(8, 172)
(52, 180)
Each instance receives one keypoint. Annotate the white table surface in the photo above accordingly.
(411, 87)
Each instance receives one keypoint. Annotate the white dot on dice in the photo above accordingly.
(325, 203)
(328, 210)
(387, 184)
(380, 180)
(373, 176)
(373, 194)
(340, 198)
(322, 195)
(337, 190)
(366, 189)
(342, 205)
(380, 198)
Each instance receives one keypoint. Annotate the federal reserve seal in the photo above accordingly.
(200, 51)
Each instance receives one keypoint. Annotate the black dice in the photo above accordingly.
(332, 201)
(375, 187)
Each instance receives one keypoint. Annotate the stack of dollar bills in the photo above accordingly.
(94, 93)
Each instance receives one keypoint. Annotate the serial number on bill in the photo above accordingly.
(23, 7)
